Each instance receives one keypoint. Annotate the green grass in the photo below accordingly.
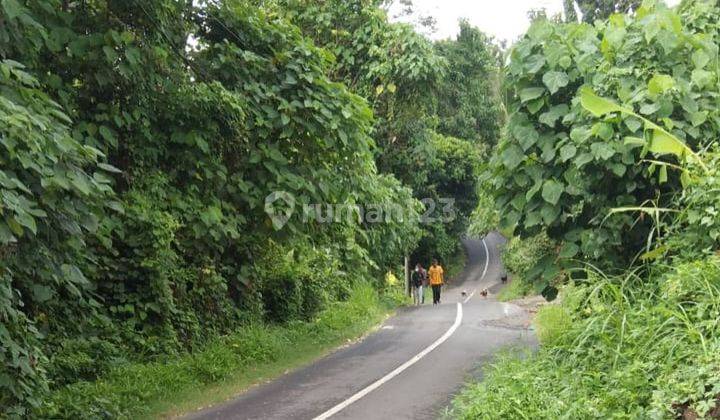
(222, 369)
(515, 289)
(615, 347)
(455, 264)
(551, 322)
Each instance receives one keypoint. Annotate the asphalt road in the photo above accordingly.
(427, 380)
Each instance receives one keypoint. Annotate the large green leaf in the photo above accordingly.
(12, 8)
(597, 105)
(569, 250)
(512, 157)
(664, 142)
(550, 117)
(555, 80)
(660, 83)
(549, 213)
(42, 293)
(567, 152)
(528, 94)
(702, 78)
(602, 151)
(552, 190)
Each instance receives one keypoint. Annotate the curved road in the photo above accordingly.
(399, 372)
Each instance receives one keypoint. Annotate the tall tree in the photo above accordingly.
(598, 9)
(570, 13)
(468, 105)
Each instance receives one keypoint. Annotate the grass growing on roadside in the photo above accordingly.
(220, 370)
(515, 289)
(455, 264)
(614, 349)
(551, 322)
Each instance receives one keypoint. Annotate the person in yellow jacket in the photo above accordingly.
(436, 280)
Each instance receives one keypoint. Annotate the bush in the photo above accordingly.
(565, 163)
(133, 186)
(526, 259)
(485, 217)
(516, 288)
(52, 194)
(551, 322)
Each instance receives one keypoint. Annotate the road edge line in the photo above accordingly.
(398, 370)
(470, 297)
(487, 264)
(487, 260)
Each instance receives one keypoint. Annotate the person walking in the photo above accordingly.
(436, 280)
(416, 282)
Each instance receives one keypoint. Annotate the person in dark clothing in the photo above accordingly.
(425, 284)
(417, 280)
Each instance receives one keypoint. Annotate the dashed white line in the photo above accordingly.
(377, 384)
(469, 297)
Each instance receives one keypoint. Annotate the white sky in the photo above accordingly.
(503, 19)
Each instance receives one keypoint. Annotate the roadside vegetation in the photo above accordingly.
(611, 154)
(222, 368)
(140, 249)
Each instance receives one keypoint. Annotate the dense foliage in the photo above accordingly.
(521, 256)
(467, 96)
(148, 144)
(571, 157)
(420, 93)
(592, 10)
(147, 388)
(612, 149)
(134, 178)
(624, 348)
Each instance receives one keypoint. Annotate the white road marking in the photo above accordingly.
(487, 263)
(388, 327)
(487, 260)
(377, 384)
(471, 295)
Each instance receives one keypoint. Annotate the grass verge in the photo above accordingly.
(515, 289)
(456, 263)
(222, 369)
(628, 347)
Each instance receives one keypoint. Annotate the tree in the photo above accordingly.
(570, 12)
(419, 92)
(468, 95)
(593, 10)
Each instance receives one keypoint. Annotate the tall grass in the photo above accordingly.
(613, 349)
(516, 288)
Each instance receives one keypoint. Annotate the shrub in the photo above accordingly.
(515, 289)
(551, 322)
(127, 390)
(528, 259)
(562, 169)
